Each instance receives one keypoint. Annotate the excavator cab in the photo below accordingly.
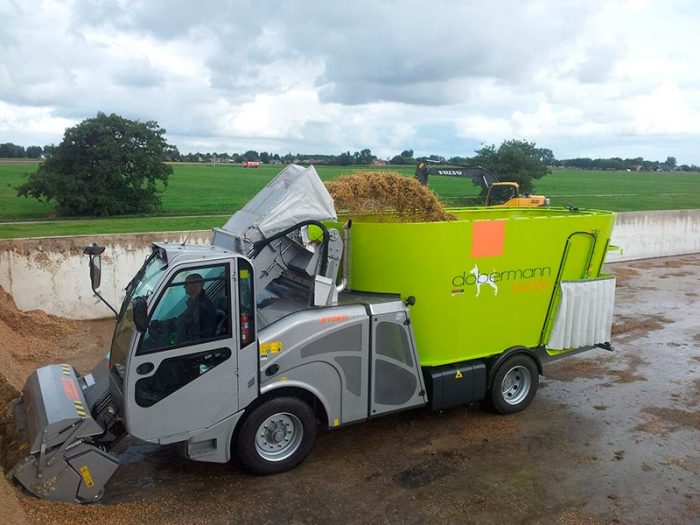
(508, 194)
(501, 194)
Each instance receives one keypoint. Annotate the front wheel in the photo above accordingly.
(514, 385)
(276, 436)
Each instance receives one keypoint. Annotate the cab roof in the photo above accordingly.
(193, 252)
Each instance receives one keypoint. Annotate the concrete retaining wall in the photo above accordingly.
(51, 274)
(643, 235)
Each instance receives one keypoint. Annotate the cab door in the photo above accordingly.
(182, 375)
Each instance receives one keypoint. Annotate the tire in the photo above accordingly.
(514, 385)
(276, 436)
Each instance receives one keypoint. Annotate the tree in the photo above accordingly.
(251, 155)
(106, 165)
(514, 160)
(34, 152)
(49, 150)
(365, 157)
(171, 154)
(546, 156)
(344, 159)
(10, 150)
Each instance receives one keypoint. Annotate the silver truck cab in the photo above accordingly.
(338, 364)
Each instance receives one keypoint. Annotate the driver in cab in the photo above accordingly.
(196, 323)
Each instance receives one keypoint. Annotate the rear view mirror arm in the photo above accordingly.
(95, 252)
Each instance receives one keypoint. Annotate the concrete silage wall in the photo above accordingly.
(643, 235)
(52, 274)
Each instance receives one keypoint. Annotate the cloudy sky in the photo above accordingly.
(585, 78)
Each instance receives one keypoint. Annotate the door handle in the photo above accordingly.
(144, 368)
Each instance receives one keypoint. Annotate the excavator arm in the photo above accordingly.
(497, 193)
(481, 175)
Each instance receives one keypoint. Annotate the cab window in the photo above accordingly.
(246, 301)
(194, 308)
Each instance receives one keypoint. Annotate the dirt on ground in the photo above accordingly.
(611, 437)
(387, 196)
(29, 340)
(32, 339)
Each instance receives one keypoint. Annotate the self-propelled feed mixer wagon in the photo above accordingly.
(291, 318)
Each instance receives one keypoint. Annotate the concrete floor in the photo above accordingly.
(610, 438)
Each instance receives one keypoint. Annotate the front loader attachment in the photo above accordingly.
(65, 460)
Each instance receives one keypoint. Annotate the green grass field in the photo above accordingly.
(201, 197)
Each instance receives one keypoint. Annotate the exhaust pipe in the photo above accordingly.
(344, 283)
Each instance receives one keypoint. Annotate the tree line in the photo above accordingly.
(109, 165)
(619, 164)
(8, 150)
(365, 157)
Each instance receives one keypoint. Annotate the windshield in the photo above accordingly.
(500, 194)
(143, 284)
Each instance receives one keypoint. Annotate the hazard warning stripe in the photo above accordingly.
(80, 409)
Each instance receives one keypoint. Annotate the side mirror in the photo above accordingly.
(140, 314)
(95, 271)
(95, 251)
(410, 300)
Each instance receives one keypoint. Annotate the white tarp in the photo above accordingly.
(295, 195)
(585, 314)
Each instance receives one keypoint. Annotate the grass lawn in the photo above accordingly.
(202, 196)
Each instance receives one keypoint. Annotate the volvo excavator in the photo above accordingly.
(497, 193)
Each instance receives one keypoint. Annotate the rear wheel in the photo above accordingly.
(514, 385)
(276, 436)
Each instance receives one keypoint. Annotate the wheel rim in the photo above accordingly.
(516, 385)
(279, 436)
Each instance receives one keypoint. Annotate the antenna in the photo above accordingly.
(194, 227)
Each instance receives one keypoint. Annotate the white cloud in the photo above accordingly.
(303, 76)
(36, 125)
(664, 111)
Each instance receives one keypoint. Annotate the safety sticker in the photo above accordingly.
(87, 477)
(80, 409)
(459, 375)
(334, 318)
(268, 349)
(244, 274)
(70, 388)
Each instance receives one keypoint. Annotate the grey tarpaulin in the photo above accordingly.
(295, 195)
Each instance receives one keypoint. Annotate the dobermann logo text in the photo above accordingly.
(521, 279)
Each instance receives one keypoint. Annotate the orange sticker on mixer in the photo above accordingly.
(487, 238)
